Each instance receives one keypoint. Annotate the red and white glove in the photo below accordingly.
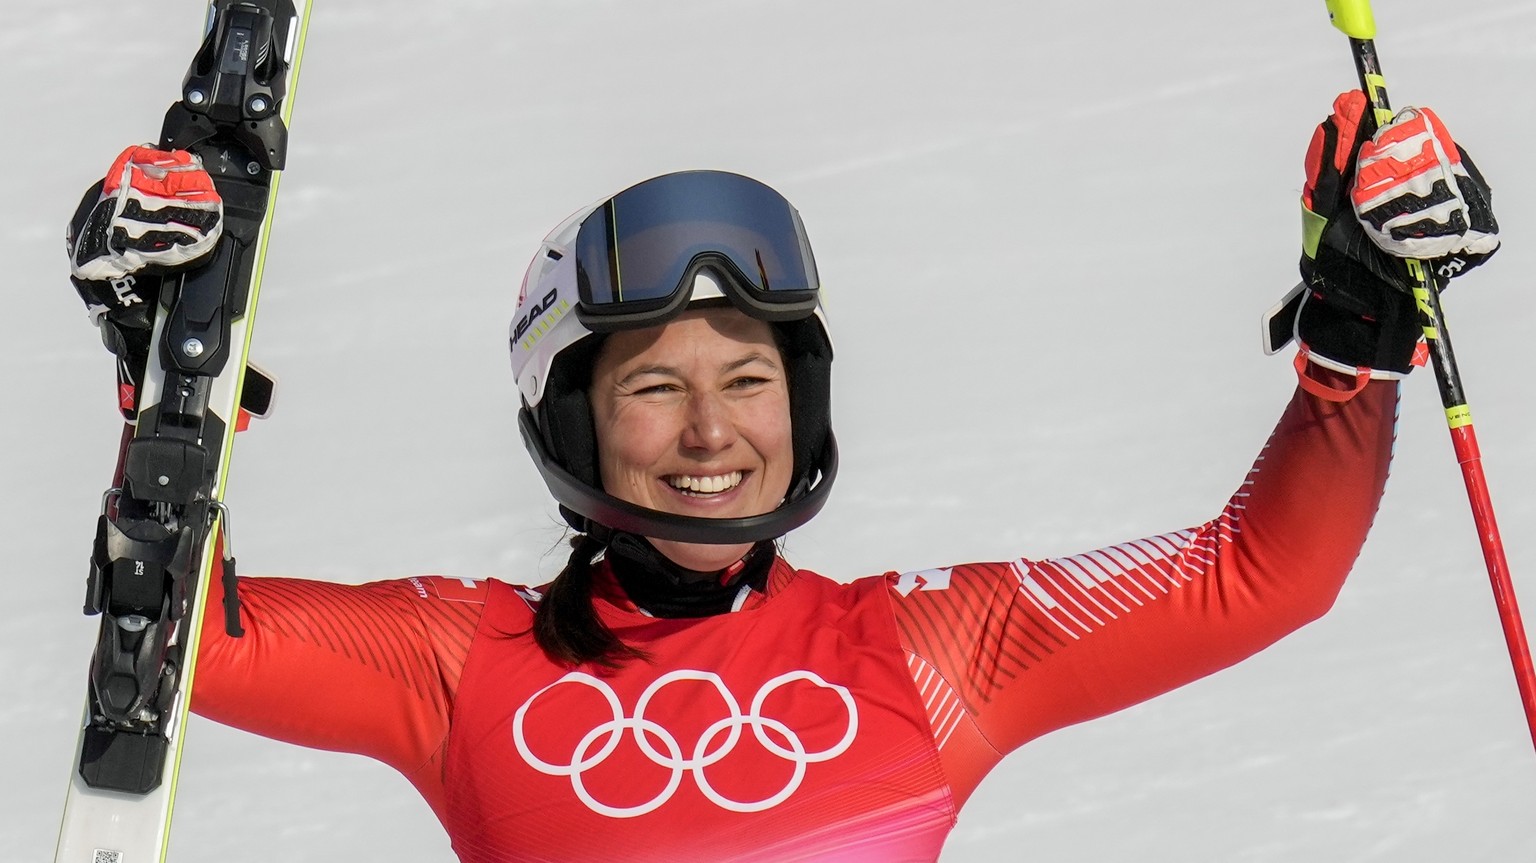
(1414, 193)
(1418, 195)
(156, 209)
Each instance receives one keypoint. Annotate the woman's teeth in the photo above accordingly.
(706, 484)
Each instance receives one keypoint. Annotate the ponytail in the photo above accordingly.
(566, 625)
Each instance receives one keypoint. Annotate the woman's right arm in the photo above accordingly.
(370, 669)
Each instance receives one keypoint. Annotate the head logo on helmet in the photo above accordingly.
(637, 260)
(550, 312)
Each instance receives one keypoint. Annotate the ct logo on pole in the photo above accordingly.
(715, 743)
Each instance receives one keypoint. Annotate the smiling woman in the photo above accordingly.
(681, 692)
(692, 418)
(634, 262)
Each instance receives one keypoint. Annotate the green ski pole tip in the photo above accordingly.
(1353, 17)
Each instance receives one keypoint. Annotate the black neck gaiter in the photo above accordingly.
(653, 582)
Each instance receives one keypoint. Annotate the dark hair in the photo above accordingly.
(566, 625)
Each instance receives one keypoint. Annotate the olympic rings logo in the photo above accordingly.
(705, 752)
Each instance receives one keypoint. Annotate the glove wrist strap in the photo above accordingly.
(1306, 361)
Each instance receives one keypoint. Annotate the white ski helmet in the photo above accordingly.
(638, 259)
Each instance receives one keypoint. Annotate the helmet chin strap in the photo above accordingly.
(585, 507)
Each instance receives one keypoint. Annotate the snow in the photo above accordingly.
(1048, 238)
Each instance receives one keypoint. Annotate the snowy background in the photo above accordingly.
(1048, 231)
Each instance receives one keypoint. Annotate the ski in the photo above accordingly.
(163, 521)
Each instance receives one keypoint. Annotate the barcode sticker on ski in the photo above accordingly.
(107, 856)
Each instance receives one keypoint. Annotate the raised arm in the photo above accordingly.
(1008, 651)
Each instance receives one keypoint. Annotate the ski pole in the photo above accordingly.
(1354, 18)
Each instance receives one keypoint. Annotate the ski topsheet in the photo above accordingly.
(157, 537)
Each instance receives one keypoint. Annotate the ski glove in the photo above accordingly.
(156, 211)
(1418, 195)
(1369, 203)
(155, 208)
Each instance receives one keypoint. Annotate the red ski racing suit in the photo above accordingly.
(819, 721)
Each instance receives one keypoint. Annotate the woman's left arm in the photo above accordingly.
(1006, 652)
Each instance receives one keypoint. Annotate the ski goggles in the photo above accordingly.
(637, 254)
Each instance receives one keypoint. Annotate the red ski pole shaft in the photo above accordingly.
(1354, 18)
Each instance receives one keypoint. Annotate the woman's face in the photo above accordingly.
(692, 418)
